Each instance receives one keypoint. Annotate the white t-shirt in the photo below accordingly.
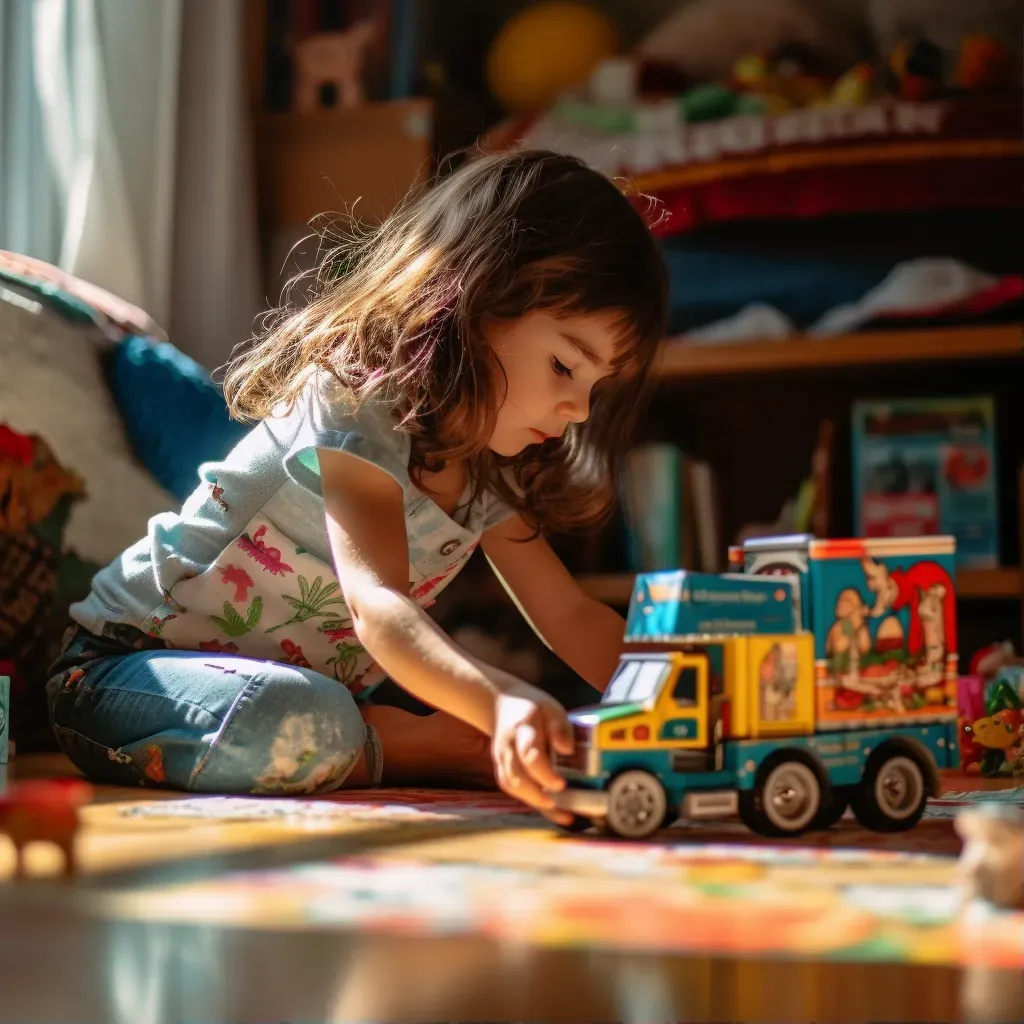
(246, 567)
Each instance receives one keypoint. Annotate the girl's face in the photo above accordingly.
(551, 363)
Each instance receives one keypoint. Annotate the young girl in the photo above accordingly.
(469, 378)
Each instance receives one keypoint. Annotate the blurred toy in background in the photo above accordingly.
(716, 59)
(332, 60)
(44, 811)
(984, 63)
(991, 865)
(917, 69)
(990, 661)
(546, 49)
(855, 88)
(992, 742)
(949, 44)
(712, 40)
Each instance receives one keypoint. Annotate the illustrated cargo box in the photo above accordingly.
(883, 614)
(667, 606)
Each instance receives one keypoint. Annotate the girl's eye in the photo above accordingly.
(560, 368)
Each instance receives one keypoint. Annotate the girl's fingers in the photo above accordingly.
(560, 731)
(517, 782)
(535, 758)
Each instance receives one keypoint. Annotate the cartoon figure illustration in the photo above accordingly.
(889, 636)
(930, 612)
(848, 638)
(899, 588)
(778, 678)
(847, 644)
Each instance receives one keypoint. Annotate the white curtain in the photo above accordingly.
(31, 205)
(125, 156)
(106, 77)
(217, 289)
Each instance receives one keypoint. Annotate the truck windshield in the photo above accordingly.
(637, 681)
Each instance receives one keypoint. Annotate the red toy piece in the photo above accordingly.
(44, 811)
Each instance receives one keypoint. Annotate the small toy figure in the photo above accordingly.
(1000, 732)
(44, 811)
(991, 867)
(332, 58)
(972, 753)
(983, 63)
(853, 89)
(917, 65)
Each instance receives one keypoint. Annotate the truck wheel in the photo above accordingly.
(637, 805)
(893, 793)
(832, 809)
(785, 801)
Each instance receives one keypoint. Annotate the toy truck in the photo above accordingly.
(817, 676)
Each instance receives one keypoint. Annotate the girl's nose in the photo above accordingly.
(576, 407)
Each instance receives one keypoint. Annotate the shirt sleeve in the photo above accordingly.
(325, 419)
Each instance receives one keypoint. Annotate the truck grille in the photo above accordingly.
(577, 760)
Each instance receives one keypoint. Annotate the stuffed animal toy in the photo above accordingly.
(332, 58)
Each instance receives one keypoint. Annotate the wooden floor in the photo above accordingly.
(191, 969)
(113, 838)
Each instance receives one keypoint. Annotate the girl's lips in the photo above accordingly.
(540, 435)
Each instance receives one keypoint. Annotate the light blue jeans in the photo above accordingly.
(209, 723)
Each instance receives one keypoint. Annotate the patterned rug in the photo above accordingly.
(844, 894)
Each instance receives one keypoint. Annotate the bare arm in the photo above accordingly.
(366, 528)
(586, 634)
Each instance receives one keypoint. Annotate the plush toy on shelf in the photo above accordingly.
(332, 59)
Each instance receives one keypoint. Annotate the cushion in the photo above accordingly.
(174, 414)
(51, 385)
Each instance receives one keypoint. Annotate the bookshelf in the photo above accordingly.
(683, 361)
(720, 380)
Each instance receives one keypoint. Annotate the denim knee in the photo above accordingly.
(291, 730)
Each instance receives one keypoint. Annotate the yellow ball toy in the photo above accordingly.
(546, 49)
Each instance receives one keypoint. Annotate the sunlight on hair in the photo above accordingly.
(396, 314)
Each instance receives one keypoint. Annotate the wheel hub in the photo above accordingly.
(898, 788)
(790, 797)
(635, 804)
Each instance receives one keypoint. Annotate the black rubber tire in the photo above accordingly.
(751, 802)
(866, 808)
(651, 789)
(833, 810)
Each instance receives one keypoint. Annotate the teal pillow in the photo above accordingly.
(174, 414)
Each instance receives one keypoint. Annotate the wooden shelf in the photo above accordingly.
(680, 360)
(990, 583)
(972, 584)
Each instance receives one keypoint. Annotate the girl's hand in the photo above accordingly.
(529, 728)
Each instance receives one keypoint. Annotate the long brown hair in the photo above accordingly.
(396, 313)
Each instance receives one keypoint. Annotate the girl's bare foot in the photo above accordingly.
(429, 750)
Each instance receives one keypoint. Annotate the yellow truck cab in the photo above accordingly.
(715, 710)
